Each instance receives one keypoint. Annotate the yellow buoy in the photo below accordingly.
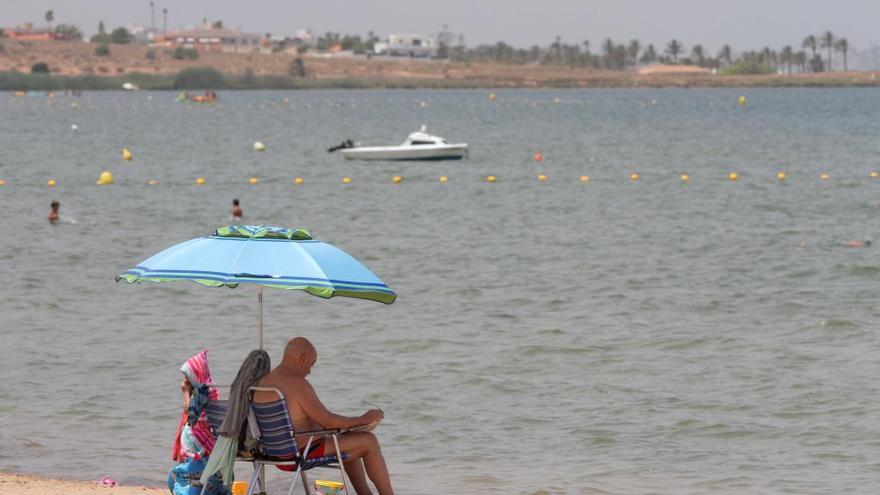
(685, 177)
(51, 183)
(585, 178)
(397, 179)
(733, 176)
(152, 182)
(490, 178)
(258, 146)
(2, 182)
(253, 181)
(742, 101)
(298, 180)
(634, 176)
(874, 174)
(542, 177)
(780, 175)
(126, 155)
(825, 176)
(492, 96)
(443, 179)
(346, 180)
(200, 181)
(105, 179)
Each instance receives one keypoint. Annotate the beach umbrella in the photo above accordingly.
(263, 256)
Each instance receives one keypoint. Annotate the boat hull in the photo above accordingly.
(407, 153)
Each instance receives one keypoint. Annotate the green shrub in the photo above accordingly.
(198, 78)
(40, 68)
(102, 50)
(103, 38)
(297, 68)
(747, 68)
(181, 53)
(120, 36)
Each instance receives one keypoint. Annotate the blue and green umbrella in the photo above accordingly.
(264, 256)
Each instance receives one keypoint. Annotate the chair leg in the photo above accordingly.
(305, 479)
(262, 479)
(252, 484)
(341, 467)
(295, 477)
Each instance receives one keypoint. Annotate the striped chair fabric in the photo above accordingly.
(276, 435)
(216, 412)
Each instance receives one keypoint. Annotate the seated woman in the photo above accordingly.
(194, 441)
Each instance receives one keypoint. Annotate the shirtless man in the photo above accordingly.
(236, 211)
(53, 213)
(308, 413)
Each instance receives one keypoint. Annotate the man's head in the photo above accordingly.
(234, 202)
(299, 355)
(55, 204)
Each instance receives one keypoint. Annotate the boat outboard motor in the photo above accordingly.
(343, 145)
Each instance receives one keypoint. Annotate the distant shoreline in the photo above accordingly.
(16, 81)
(77, 66)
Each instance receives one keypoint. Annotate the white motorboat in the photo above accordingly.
(418, 146)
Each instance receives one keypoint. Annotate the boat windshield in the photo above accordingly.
(417, 143)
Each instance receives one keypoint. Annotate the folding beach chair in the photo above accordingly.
(278, 443)
(216, 413)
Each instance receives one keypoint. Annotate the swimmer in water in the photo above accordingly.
(236, 211)
(53, 213)
(855, 243)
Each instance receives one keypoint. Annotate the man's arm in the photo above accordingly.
(315, 410)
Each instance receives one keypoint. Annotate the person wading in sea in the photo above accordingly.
(236, 211)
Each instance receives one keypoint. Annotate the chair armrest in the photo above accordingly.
(310, 433)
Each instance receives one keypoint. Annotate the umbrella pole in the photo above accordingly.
(260, 317)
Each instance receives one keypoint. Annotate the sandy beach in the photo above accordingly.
(20, 484)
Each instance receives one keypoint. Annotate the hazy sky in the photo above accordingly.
(745, 24)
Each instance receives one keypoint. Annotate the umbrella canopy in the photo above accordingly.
(264, 256)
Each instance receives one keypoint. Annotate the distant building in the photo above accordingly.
(406, 45)
(209, 39)
(27, 32)
(141, 34)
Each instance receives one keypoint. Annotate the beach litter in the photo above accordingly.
(107, 482)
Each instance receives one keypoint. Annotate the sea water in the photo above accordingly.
(558, 336)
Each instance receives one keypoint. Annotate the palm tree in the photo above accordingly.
(725, 54)
(673, 48)
(608, 52)
(828, 42)
(843, 47)
(810, 42)
(786, 56)
(50, 16)
(649, 55)
(800, 58)
(698, 55)
(586, 44)
(633, 51)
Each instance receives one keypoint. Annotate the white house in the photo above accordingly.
(406, 45)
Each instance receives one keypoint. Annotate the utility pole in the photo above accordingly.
(153, 16)
(164, 21)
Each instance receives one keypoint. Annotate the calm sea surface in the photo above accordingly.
(610, 336)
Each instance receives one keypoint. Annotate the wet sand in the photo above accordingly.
(19, 484)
